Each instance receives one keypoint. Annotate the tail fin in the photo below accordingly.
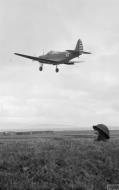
(79, 47)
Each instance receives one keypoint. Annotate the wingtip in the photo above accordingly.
(16, 53)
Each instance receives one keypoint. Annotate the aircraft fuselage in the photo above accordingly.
(58, 57)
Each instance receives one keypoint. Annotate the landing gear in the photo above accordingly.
(57, 70)
(40, 68)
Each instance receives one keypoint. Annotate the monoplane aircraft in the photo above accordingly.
(57, 58)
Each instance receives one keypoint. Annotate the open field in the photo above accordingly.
(58, 161)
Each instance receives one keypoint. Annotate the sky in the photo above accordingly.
(79, 96)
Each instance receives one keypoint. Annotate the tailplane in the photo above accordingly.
(79, 48)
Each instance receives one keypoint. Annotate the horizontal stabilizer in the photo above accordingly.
(73, 62)
(78, 61)
(84, 52)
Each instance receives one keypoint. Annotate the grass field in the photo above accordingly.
(58, 161)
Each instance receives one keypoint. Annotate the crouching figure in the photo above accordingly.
(101, 132)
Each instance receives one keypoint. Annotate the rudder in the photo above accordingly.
(79, 47)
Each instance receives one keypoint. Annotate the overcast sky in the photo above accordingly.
(80, 95)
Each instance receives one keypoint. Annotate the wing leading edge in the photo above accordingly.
(42, 60)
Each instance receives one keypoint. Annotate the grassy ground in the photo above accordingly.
(58, 163)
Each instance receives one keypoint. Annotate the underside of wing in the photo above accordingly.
(28, 56)
(39, 59)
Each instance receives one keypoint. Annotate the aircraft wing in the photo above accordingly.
(42, 60)
(27, 56)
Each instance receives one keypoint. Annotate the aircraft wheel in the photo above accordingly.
(57, 70)
(40, 68)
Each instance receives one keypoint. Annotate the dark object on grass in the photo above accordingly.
(102, 132)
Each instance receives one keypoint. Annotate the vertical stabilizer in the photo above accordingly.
(79, 47)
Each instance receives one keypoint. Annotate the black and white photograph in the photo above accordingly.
(59, 95)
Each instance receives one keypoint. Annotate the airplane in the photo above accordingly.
(57, 58)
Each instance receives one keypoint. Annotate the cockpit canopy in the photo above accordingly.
(52, 52)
